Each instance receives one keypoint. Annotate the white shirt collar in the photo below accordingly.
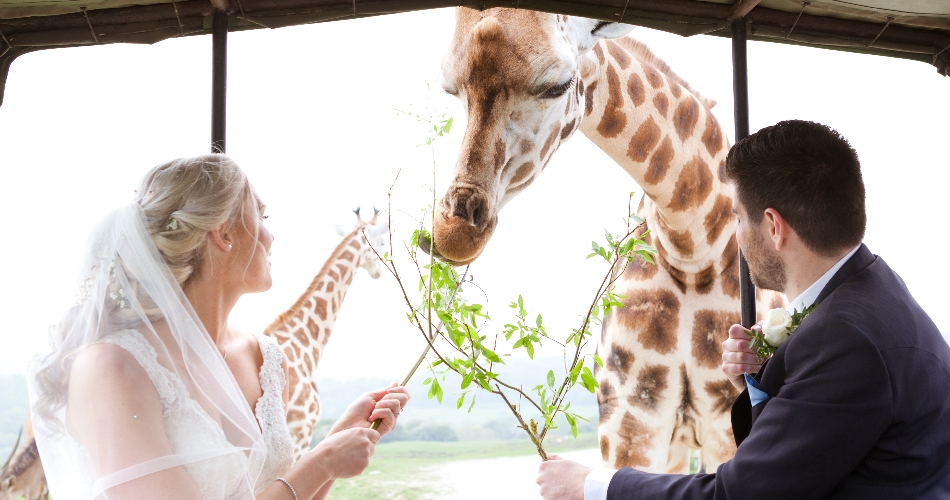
(810, 295)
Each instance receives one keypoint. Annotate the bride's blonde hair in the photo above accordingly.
(185, 199)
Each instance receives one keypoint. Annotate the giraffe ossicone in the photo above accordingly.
(303, 330)
(528, 81)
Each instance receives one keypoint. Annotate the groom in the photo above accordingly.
(856, 402)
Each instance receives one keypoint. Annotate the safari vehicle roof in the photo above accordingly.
(909, 29)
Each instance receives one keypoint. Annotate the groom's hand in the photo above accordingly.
(562, 479)
(737, 358)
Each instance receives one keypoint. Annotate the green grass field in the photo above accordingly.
(404, 470)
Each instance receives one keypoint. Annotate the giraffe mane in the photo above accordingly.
(646, 56)
(284, 316)
(23, 460)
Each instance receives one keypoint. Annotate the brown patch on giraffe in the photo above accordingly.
(640, 270)
(651, 382)
(652, 315)
(606, 400)
(635, 90)
(653, 76)
(604, 447)
(730, 269)
(718, 218)
(302, 336)
(644, 140)
(599, 52)
(355, 244)
(522, 173)
(307, 360)
(662, 104)
(660, 162)
(635, 439)
(526, 145)
(722, 393)
(568, 129)
(613, 120)
(294, 415)
(302, 395)
(675, 88)
(589, 99)
(334, 305)
(344, 270)
(333, 274)
(722, 172)
(710, 328)
(705, 280)
(619, 55)
(297, 351)
(693, 185)
(347, 256)
(330, 286)
(321, 309)
(682, 241)
(619, 361)
(685, 118)
(712, 136)
(776, 303)
(312, 329)
(300, 315)
(549, 141)
(500, 151)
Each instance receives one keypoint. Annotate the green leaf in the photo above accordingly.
(600, 362)
(551, 379)
(488, 353)
(467, 379)
(538, 321)
(573, 424)
(461, 401)
(530, 348)
(588, 380)
(472, 404)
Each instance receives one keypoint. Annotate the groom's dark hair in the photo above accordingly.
(810, 174)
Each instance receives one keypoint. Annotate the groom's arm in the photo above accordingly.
(835, 404)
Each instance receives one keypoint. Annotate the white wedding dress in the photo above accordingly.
(191, 431)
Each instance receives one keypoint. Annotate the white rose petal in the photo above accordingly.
(775, 326)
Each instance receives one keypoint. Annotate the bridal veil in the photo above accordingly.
(127, 290)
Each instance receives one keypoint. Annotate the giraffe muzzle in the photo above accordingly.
(463, 224)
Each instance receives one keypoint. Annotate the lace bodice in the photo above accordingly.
(190, 430)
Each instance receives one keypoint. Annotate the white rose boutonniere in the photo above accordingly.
(776, 327)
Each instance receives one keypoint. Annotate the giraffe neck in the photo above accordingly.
(307, 325)
(647, 120)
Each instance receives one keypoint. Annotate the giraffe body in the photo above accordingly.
(529, 80)
(303, 330)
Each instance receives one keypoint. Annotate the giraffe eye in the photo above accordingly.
(559, 89)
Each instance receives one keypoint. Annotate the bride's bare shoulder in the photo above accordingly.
(106, 377)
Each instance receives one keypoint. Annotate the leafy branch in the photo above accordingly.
(452, 325)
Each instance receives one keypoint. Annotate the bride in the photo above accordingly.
(148, 392)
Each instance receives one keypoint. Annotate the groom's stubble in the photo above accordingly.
(765, 267)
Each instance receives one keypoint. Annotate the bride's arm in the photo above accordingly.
(114, 411)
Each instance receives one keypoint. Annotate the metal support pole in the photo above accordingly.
(219, 79)
(740, 90)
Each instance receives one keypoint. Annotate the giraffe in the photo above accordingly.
(302, 331)
(528, 81)
(22, 475)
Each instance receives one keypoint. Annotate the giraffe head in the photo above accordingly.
(375, 238)
(519, 75)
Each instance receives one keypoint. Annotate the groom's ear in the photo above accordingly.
(778, 228)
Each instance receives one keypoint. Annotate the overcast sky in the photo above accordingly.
(311, 119)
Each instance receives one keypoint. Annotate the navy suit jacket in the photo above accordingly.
(859, 406)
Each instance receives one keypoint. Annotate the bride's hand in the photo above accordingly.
(386, 404)
(346, 453)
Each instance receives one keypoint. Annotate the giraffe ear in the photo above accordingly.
(590, 31)
(340, 230)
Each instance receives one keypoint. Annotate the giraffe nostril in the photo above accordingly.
(477, 216)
